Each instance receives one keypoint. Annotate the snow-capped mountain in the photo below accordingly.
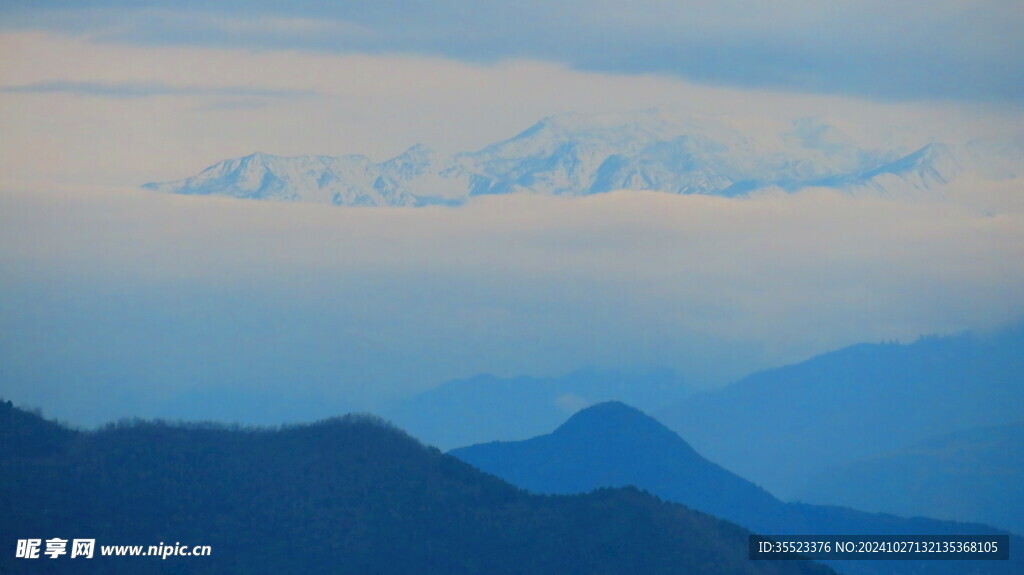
(579, 155)
(349, 181)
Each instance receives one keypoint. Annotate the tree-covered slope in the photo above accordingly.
(349, 495)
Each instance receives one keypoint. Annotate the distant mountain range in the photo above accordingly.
(578, 155)
(821, 430)
(346, 495)
(452, 414)
(784, 426)
(614, 445)
(973, 475)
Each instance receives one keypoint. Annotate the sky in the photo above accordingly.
(113, 300)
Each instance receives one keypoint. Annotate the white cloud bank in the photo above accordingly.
(115, 300)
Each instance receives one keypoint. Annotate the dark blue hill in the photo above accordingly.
(614, 445)
(347, 495)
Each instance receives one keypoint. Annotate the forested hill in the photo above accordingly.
(347, 495)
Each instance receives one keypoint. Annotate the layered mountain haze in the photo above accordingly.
(488, 408)
(781, 427)
(973, 475)
(615, 445)
(344, 495)
(579, 155)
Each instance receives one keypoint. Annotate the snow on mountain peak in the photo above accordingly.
(581, 154)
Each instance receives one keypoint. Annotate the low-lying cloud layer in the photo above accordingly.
(114, 301)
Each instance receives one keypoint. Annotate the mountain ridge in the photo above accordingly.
(603, 444)
(579, 155)
(614, 445)
(779, 427)
(352, 493)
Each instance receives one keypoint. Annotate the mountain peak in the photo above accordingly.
(411, 162)
(621, 427)
(622, 129)
(252, 161)
(618, 422)
(554, 464)
(608, 413)
(612, 444)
